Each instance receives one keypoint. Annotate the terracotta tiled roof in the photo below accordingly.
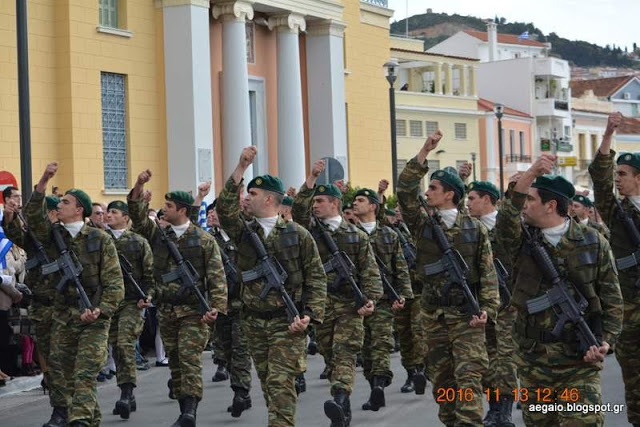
(629, 126)
(600, 87)
(505, 39)
(486, 105)
(395, 49)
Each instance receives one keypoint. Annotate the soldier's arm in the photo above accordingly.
(401, 272)
(314, 293)
(488, 296)
(147, 269)
(408, 192)
(608, 289)
(601, 171)
(370, 281)
(301, 209)
(509, 224)
(142, 224)
(110, 278)
(14, 232)
(228, 208)
(216, 279)
(36, 216)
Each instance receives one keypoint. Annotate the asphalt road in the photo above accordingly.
(155, 409)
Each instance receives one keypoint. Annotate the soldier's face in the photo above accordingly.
(324, 207)
(212, 219)
(579, 210)
(116, 219)
(97, 215)
(350, 216)
(392, 219)
(285, 211)
(436, 196)
(627, 180)
(69, 209)
(362, 206)
(255, 202)
(173, 214)
(534, 211)
(476, 204)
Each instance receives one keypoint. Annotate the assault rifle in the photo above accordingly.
(127, 272)
(451, 263)
(632, 260)
(341, 264)
(386, 284)
(408, 249)
(503, 279)
(230, 269)
(41, 258)
(68, 266)
(269, 269)
(558, 297)
(184, 273)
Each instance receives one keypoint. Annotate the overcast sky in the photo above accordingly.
(597, 21)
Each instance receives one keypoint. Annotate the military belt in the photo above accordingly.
(434, 268)
(628, 261)
(447, 301)
(545, 336)
(266, 315)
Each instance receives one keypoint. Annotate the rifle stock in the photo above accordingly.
(127, 271)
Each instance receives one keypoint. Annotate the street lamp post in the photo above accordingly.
(473, 162)
(499, 111)
(391, 78)
(554, 150)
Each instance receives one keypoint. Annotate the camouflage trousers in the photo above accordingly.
(184, 341)
(626, 349)
(126, 327)
(549, 377)
(408, 323)
(277, 355)
(339, 341)
(378, 342)
(78, 352)
(502, 373)
(230, 346)
(456, 362)
(42, 322)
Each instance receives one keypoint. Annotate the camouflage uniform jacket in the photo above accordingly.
(583, 258)
(601, 171)
(467, 235)
(196, 246)
(137, 251)
(230, 250)
(416, 285)
(350, 239)
(384, 242)
(101, 276)
(291, 245)
(501, 254)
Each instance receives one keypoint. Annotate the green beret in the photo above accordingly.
(631, 159)
(119, 205)
(267, 183)
(450, 178)
(287, 201)
(52, 203)
(180, 197)
(485, 186)
(582, 200)
(347, 206)
(369, 194)
(555, 184)
(328, 190)
(390, 212)
(84, 200)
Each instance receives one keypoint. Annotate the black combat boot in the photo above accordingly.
(127, 402)
(376, 398)
(312, 348)
(505, 406)
(177, 422)
(408, 384)
(241, 402)
(188, 418)
(221, 373)
(359, 361)
(301, 384)
(58, 417)
(336, 409)
(492, 415)
(420, 380)
(325, 373)
(172, 395)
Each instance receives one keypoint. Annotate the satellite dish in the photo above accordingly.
(333, 171)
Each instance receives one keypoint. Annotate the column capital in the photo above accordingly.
(289, 23)
(329, 27)
(233, 10)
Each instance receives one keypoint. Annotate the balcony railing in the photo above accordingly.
(517, 158)
(381, 3)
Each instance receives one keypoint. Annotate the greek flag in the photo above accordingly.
(524, 36)
(5, 245)
(202, 215)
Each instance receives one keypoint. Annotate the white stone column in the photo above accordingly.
(325, 86)
(236, 117)
(438, 79)
(473, 82)
(291, 154)
(188, 93)
(448, 79)
(464, 85)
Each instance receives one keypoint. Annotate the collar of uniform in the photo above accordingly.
(575, 232)
(280, 222)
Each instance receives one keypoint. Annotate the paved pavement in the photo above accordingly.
(31, 408)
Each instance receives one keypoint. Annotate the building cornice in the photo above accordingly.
(323, 9)
(326, 28)
(233, 11)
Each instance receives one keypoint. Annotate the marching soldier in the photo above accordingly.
(128, 321)
(185, 329)
(481, 202)
(623, 219)
(561, 270)
(580, 208)
(378, 328)
(340, 336)
(276, 338)
(457, 357)
(79, 337)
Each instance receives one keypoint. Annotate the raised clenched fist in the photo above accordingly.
(144, 177)
(248, 156)
(432, 141)
(317, 168)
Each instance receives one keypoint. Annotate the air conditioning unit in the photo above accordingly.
(626, 95)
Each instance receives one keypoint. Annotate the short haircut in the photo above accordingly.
(492, 197)
(6, 193)
(446, 187)
(562, 203)
(277, 197)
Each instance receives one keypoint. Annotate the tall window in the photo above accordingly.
(401, 127)
(114, 132)
(432, 127)
(433, 165)
(109, 13)
(415, 127)
(512, 141)
(461, 130)
(522, 144)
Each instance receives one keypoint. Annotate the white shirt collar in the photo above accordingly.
(554, 234)
(180, 229)
(448, 216)
(369, 226)
(267, 224)
(635, 200)
(585, 221)
(489, 220)
(117, 233)
(333, 223)
(74, 227)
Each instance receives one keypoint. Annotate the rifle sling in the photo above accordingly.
(545, 336)
(266, 315)
(448, 301)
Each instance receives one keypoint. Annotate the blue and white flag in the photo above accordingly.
(5, 245)
(524, 36)
(202, 215)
